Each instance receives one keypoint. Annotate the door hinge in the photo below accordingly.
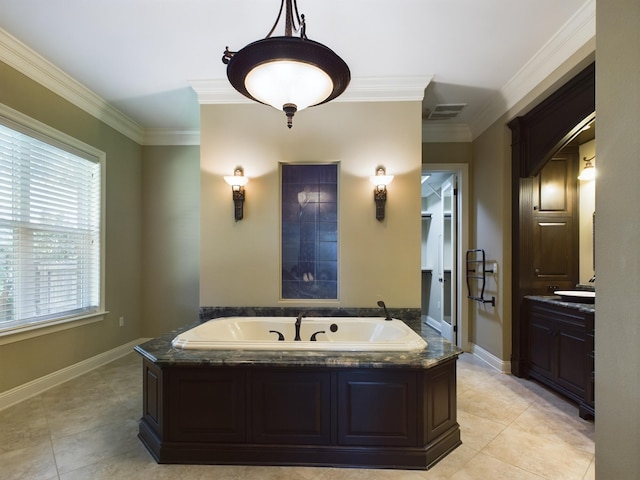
(455, 328)
(455, 191)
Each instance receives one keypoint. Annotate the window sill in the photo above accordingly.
(24, 332)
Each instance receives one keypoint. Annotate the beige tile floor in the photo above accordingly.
(86, 429)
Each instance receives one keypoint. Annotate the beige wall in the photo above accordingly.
(587, 202)
(171, 237)
(447, 152)
(617, 233)
(490, 326)
(30, 359)
(378, 260)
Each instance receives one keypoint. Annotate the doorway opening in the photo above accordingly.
(444, 211)
(537, 137)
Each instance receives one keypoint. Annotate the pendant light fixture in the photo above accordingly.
(288, 72)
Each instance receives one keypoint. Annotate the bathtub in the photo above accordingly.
(365, 334)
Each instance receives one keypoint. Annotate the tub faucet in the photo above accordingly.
(298, 323)
(382, 305)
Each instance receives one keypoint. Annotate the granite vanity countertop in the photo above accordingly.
(555, 300)
(160, 352)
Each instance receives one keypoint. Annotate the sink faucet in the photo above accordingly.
(298, 323)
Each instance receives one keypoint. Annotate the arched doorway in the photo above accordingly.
(536, 138)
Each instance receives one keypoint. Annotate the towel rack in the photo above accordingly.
(476, 280)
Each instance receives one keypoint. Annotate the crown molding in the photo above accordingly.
(386, 89)
(166, 136)
(576, 33)
(366, 89)
(446, 133)
(17, 55)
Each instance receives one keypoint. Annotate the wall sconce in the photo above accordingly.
(237, 182)
(589, 171)
(380, 181)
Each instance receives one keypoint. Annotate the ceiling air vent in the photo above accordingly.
(446, 111)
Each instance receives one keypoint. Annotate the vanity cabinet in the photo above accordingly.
(561, 350)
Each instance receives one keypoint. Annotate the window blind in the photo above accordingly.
(49, 231)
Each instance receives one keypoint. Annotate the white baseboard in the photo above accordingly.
(42, 384)
(490, 359)
(432, 322)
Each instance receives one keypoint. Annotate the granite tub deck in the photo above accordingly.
(314, 408)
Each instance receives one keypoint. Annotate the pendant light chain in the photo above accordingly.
(293, 23)
(288, 24)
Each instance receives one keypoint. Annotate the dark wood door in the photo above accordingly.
(551, 223)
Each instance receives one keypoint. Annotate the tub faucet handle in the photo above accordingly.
(298, 324)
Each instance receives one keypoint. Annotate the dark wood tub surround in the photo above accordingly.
(357, 409)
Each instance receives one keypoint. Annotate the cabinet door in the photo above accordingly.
(439, 409)
(541, 345)
(377, 408)
(591, 356)
(291, 407)
(555, 244)
(558, 348)
(152, 411)
(572, 358)
(548, 227)
(207, 404)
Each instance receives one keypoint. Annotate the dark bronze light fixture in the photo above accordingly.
(237, 182)
(380, 181)
(289, 73)
(589, 172)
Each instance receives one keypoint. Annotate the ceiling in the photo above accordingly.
(143, 56)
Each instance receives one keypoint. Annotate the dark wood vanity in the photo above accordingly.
(561, 348)
(375, 409)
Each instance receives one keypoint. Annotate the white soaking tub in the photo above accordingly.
(365, 334)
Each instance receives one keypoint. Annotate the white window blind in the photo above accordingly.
(49, 231)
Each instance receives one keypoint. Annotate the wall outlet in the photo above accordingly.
(121, 321)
